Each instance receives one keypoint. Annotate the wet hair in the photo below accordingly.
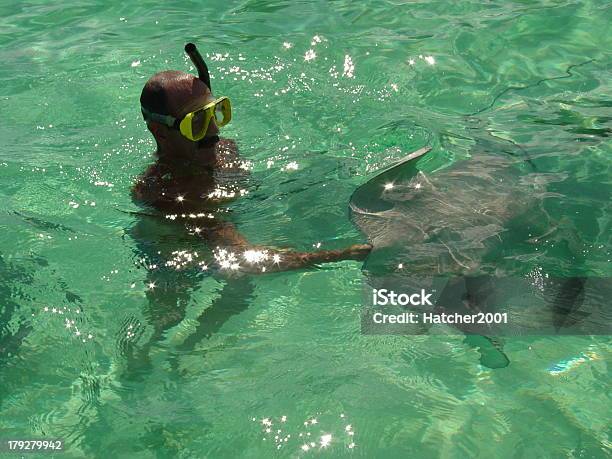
(156, 91)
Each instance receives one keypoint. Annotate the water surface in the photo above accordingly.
(324, 94)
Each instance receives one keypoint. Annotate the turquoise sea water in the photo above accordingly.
(324, 93)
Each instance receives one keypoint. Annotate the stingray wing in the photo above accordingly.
(368, 198)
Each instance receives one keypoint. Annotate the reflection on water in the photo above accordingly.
(314, 435)
(181, 361)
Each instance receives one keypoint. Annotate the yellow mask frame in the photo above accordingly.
(194, 125)
(219, 110)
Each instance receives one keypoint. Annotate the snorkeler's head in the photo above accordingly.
(174, 93)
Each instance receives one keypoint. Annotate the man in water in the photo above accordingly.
(192, 178)
(194, 175)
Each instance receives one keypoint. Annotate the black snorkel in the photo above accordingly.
(203, 75)
(199, 63)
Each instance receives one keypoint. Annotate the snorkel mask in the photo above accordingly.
(194, 125)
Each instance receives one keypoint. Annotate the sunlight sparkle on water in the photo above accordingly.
(326, 440)
(221, 193)
(293, 436)
(310, 55)
(349, 67)
(226, 259)
(315, 40)
(69, 324)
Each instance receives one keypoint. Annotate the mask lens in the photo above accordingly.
(219, 114)
(198, 123)
(223, 112)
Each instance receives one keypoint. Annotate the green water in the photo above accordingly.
(324, 92)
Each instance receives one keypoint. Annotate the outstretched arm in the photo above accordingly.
(233, 251)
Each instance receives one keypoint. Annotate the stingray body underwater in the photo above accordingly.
(472, 235)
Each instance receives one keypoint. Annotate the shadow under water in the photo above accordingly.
(172, 287)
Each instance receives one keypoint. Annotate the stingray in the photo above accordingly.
(475, 235)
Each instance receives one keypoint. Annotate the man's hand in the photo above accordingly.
(354, 252)
(358, 251)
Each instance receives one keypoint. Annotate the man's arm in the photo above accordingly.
(233, 251)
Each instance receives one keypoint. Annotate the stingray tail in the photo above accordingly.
(491, 351)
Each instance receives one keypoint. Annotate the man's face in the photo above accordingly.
(186, 96)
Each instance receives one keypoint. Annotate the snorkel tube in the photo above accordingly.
(199, 63)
